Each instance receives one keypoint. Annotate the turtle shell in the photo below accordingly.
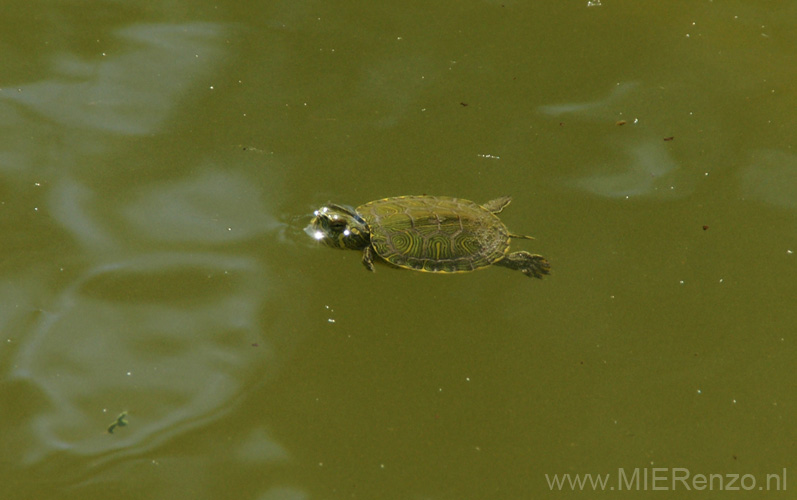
(435, 233)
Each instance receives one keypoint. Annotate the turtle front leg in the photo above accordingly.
(533, 266)
(368, 258)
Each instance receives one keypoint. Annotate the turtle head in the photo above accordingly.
(339, 226)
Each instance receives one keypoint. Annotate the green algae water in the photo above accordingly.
(159, 164)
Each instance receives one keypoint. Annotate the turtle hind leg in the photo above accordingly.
(495, 206)
(533, 266)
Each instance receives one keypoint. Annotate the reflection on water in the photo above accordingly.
(645, 165)
(144, 313)
(593, 110)
(130, 91)
(216, 217)
(161, 335)
(151, 266)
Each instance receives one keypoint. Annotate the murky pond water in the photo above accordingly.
(159, 164)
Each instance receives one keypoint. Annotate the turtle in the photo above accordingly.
(436, 234)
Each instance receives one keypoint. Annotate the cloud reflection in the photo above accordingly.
(137, 305)
(641, 164)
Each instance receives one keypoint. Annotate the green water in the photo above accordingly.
(160, 162)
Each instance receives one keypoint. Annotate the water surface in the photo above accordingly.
(159, 164)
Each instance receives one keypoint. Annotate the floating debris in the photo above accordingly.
(121, 421)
